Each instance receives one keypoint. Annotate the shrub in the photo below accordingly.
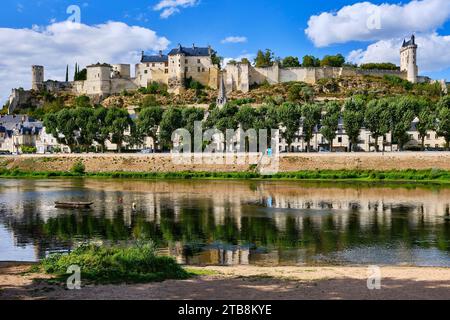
(78, 167)
(28, 149)
(138, 263)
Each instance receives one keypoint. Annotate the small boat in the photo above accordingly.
(76, 205)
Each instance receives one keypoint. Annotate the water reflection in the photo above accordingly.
(232, 223)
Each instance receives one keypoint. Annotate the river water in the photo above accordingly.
(231, 222)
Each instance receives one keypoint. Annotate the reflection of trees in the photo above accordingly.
(198, 224)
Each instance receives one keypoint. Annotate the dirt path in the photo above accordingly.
(249, 283)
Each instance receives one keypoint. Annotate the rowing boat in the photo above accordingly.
(60, 204)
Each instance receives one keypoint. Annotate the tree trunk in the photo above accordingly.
(423, 143)
(376, 143)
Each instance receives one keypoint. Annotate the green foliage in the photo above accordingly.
(171, 120)
(289, 116)
(28, 149)
(264, 59)
(330, 121)
(353, 119)
(290, 62)
(377, 119)
(310, 62)
(78, 168)
(399, 82)
(300, 92)
(332, 61)
(443, 122)
(379, 66)
(135, 264)
(311, 117)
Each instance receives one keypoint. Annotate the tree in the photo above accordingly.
(289, 115)
(443, 122)
(85, 131)
(264, 59)
(402, 113)
(377, 119)
(427, 121)
(353, 120)
(148, 121)
(333, 61)
(311, 117)
(290, 62)
(310, 62)
(171, 120)
(67, 73)
(118, 121)
(82, 102)
(62, 126)
(330, 122)
(267, 119)
(189, 117)
(98, 122)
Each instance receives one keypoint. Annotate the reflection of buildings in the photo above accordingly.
(254, 222)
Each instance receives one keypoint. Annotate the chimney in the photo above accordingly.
(193, 46)
(160, 53)
(209, 50)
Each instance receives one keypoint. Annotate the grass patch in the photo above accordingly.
(414, 176)
(201, 272)
(137, 264)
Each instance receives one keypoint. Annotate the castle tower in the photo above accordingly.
(37, 80)
(408, 59)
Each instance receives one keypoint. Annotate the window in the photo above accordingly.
(198, 69)
(145, 71)
(186, 61)
(148, 65)
(203, 69)
(198, 61)
(153, 64)
(166, 71)
(340, 140)
(186, 69)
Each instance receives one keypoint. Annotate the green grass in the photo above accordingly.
(417, 176)
(137, 264)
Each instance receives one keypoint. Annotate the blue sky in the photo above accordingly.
(288, 27)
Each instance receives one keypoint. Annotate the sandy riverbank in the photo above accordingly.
(246, 282)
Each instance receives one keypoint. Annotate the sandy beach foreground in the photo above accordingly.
(244, 282)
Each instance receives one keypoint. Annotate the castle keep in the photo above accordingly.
(197, 63)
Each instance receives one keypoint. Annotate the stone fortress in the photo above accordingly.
(197, 63)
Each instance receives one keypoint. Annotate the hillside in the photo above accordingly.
(41, 103)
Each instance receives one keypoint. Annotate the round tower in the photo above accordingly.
(37, 80)
(408, 59)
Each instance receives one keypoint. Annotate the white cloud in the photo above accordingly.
(170, 7)
(58, 44)
(432, 53)
(364, 21)
(234, 40)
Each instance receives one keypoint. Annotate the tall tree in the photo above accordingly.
(353, 120)
(118, 121)
(310, 62)
(403, 110)
(67, 73)
(264, 59)
(311, 117)
(443, 122)
(172, 120)
(333, 61)
(289, 115)
(290, 62)
(427, 121)
(330, 122)
(148, 121)
(377, 119)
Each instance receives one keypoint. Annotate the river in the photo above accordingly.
(232, 222)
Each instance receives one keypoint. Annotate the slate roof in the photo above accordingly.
(156, 58)
(411, 42)
(190, 52)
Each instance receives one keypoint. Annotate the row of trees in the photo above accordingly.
(83, 125)
(267, 58)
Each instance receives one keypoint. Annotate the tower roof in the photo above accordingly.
(411, 42)
(191, 52)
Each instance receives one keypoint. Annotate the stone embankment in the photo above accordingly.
(287, 162)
